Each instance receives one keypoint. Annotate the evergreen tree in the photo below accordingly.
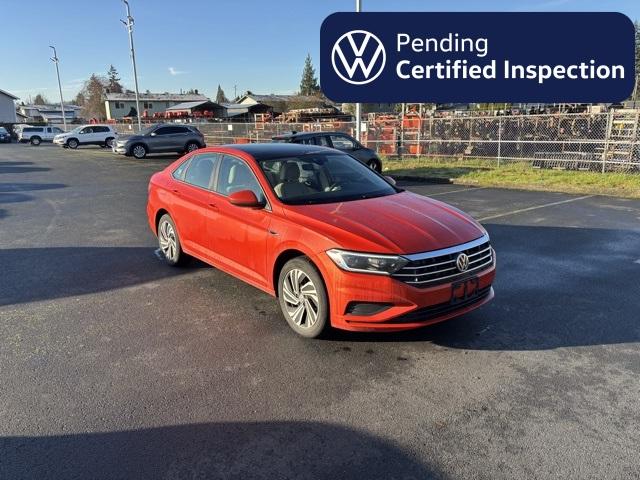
(113, 81)
(220, 96)
(309, 82)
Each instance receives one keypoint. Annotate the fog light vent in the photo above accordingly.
(366, 308)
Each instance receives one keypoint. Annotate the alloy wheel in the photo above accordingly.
(301, 298)
(139, 151)
(191, 147)
(167, 240)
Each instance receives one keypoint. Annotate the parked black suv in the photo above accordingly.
(338, 140)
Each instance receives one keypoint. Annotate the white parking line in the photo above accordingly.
(528, 209)
(469, 189)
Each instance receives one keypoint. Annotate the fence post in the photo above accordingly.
(607, 139)
(499, 139)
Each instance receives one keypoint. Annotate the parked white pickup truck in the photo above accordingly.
(37, 135)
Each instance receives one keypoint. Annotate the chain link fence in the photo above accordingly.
(581, 141)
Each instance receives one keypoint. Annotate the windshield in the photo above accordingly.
(3, 130)
(323, 178)
(76, 130)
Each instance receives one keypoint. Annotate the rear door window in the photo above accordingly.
(323, 141)
(199, 170)
(342, 142)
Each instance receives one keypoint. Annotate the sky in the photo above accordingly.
(257, 45)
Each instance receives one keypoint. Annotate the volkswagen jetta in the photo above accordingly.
(337, 243)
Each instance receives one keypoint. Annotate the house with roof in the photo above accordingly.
(201, 108)
(7, 107)
(120, 105)
(282, 103)
(49, 113)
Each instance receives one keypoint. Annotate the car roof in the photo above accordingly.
(307, 134)
(266, 151)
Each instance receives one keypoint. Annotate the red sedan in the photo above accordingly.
(338, 244)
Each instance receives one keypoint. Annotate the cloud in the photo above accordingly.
(174, 72)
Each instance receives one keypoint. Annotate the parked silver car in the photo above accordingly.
(161, 138)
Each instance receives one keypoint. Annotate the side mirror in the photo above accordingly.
(389, 179)
(245, 198)
(153, 134)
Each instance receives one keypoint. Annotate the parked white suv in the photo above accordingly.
(37, 135)
(102, 135)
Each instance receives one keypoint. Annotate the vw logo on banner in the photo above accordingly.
(358, 57)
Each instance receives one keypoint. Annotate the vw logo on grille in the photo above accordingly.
(351, 50)
(462, 262)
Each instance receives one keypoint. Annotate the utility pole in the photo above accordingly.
(235, 92)
(358, 106)
(56, 60)
(129, 25)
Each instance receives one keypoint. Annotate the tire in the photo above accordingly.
(303, 298)
(374, 164)
(108, 143)
(191, 146)
(169, 242)
(73, 143)
(35, 141)
(139, 151)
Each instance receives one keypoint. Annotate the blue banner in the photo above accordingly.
(477, 57)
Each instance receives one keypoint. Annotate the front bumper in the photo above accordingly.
(59, 141)
(120, 149)
(401, 306)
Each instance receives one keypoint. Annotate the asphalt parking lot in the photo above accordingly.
(113, 365)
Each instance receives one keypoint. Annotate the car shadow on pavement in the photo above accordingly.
(259, 450)
(13, 192)
(33, 274)
(19, 167)
(555, 287)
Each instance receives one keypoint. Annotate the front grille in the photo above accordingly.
(434, 311)
(432, 268)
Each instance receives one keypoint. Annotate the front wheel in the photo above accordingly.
(303, 298)
(191, 146)
(139, 151)
(108, 143)
(169, 242)
(72, 143)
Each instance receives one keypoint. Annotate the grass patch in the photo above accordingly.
(519, 175)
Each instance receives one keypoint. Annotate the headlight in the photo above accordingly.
(367, 262)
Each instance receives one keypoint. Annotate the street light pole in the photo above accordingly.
(358, 106)
(56, 60)
(129, 25)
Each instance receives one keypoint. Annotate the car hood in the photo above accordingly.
(403, 223)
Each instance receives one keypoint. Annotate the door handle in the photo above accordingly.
(213, 206)
(176, 191)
